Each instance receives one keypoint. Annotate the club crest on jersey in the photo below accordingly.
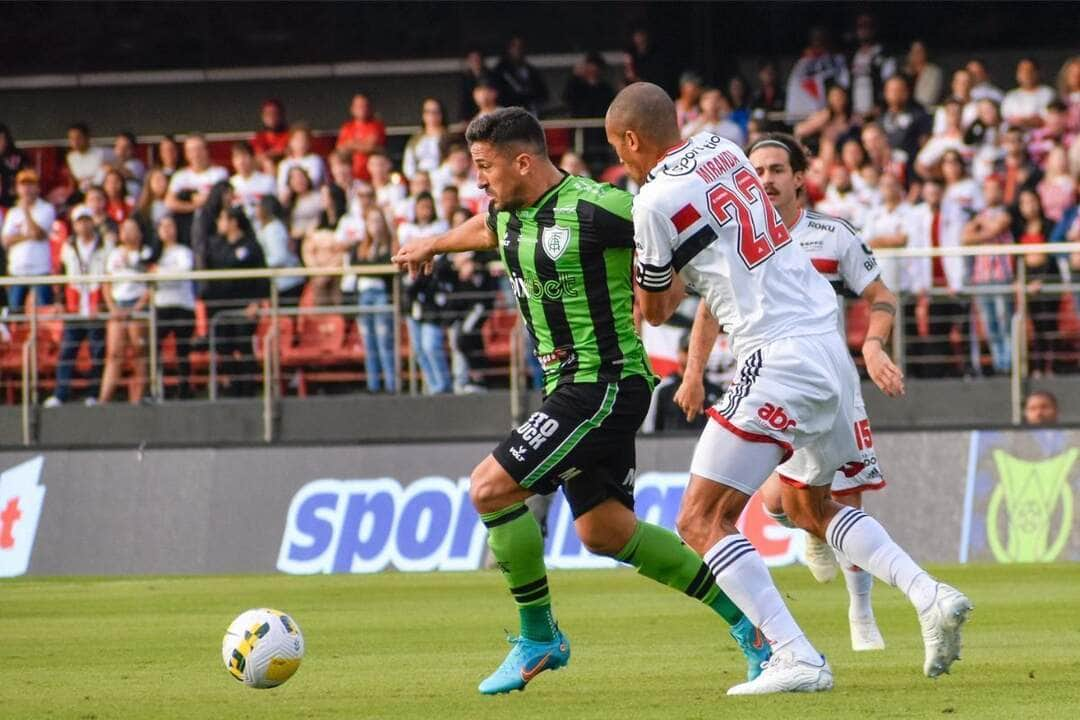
(555, 240)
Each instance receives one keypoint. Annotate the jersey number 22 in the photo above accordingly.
(761, 233)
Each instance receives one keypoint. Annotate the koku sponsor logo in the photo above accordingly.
(21, 499)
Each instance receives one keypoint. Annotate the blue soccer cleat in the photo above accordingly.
(526, 660)
(754, 646)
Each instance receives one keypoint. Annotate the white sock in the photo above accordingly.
(859, 582)
(741, 574)
(864, 542)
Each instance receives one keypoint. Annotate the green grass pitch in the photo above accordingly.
(415, 646)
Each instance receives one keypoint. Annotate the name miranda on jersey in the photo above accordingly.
(687, 162)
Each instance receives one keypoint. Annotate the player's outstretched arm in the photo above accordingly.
(880, 367)
(690, 397)
(473, 234)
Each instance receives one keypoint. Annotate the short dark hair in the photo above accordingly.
(128, 135)
(81, 127)
(796, 152)
(505, 126)
(1043, 394)
(241, 146)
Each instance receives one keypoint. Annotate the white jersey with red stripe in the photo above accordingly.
(838, 253)
(704, 214)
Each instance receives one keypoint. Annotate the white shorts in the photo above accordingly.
(853, 479)
(800, 395)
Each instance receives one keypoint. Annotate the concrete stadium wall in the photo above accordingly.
(372, 419)
(970, 496)
(45, 113)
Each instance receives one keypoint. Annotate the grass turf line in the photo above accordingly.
(401, 645)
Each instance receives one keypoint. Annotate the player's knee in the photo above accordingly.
(483, 491)
(806, 514)
(599, 542)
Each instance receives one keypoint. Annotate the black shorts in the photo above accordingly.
(581, 438)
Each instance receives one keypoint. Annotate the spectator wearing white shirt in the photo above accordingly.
(930, 318)
(424, 149)
(299, 154)
(174, 301)
(1024, 105)
(84, 253)
(960, 190)
(249, 185)
(85, 163)
(713, 118)
(428, 303)
(984, 136)
(982, 87)
(456, 169)
(960, 90)
(950, 138)
(169, 156)
(371, 242)
(406, 209)
(25, 237)
(124, 162)
(189, 187)
(124, 298)
(841, 200)
(277, 247)
(925, 76)
(341, 172)
(304, 205)
(889, 226)
(389, 188)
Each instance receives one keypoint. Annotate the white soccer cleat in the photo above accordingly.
(821, 559)
(783, 673)
(941, 624)
(865, 635)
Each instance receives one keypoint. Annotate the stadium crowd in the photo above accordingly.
(908, 154)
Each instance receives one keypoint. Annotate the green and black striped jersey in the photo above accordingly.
(569, 259)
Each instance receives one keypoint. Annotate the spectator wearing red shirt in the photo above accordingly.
(362, 135)
(117, 203)
(272, 140)
(1031, 226)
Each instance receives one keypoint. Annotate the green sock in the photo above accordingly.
(660, 554)
(515, 540)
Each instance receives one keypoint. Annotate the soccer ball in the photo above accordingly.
(262, 648)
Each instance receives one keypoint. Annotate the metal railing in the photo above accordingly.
(273, 311)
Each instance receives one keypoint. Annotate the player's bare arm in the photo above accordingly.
(690, 397)
(473, 234)
(885, 374)
(658, 307)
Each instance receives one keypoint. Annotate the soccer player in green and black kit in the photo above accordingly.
(567, 243)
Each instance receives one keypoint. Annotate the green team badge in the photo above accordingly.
(1031, 493)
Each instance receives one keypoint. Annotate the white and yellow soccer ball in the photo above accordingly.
(262, 648)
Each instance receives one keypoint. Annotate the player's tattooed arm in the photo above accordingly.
(887, 307)
(690, 397)
(880, 367)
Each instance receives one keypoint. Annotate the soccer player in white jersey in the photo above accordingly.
(703, 220)
(848, 264)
